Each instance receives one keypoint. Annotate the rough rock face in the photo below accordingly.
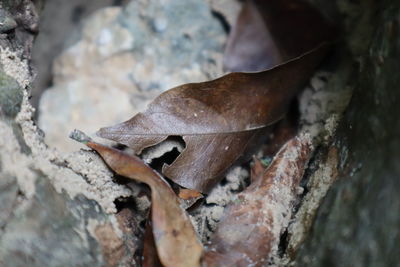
(52, 210)
(358, 223)
(53, 34)
(124, 57)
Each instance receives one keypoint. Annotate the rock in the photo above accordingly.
(124, 58)
(358, 222)
(53, 34)
(7, 23)
(10, 95)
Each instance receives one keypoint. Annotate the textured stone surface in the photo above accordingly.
(124, 58)
(20, 21)
(10, 95)
(358, 223)
(35, 227)
(55, 34)
(51, 203)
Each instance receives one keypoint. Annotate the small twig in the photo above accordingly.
(80, 136)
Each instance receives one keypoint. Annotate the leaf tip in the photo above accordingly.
(99, 132)
(104, 132)
(80, 136)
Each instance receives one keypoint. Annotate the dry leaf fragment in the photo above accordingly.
(189, 197)
(174, 235)
(216, 119)
(150, 255)
(268, 33)
(257, 169)
(188, 194)
(251, 227)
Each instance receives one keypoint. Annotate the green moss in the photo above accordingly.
(7, 23)
(10, 96)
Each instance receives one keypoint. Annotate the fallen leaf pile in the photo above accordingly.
(277, 46)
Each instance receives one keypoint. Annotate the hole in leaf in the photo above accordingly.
(167, 158)
(163, 153)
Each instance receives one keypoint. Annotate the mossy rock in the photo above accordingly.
(11, 95)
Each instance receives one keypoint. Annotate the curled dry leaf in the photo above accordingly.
(216, 119)
(174, 235)
(250, 230)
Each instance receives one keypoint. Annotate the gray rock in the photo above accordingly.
(123, 59)
(10, 95)
(7, 23)
(54, 34)
(34, 228)
(358, 222)
(8, 196)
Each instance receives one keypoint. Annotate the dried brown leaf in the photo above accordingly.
(216, 119)
(251, 227)
(188, 194)
(174, 235)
